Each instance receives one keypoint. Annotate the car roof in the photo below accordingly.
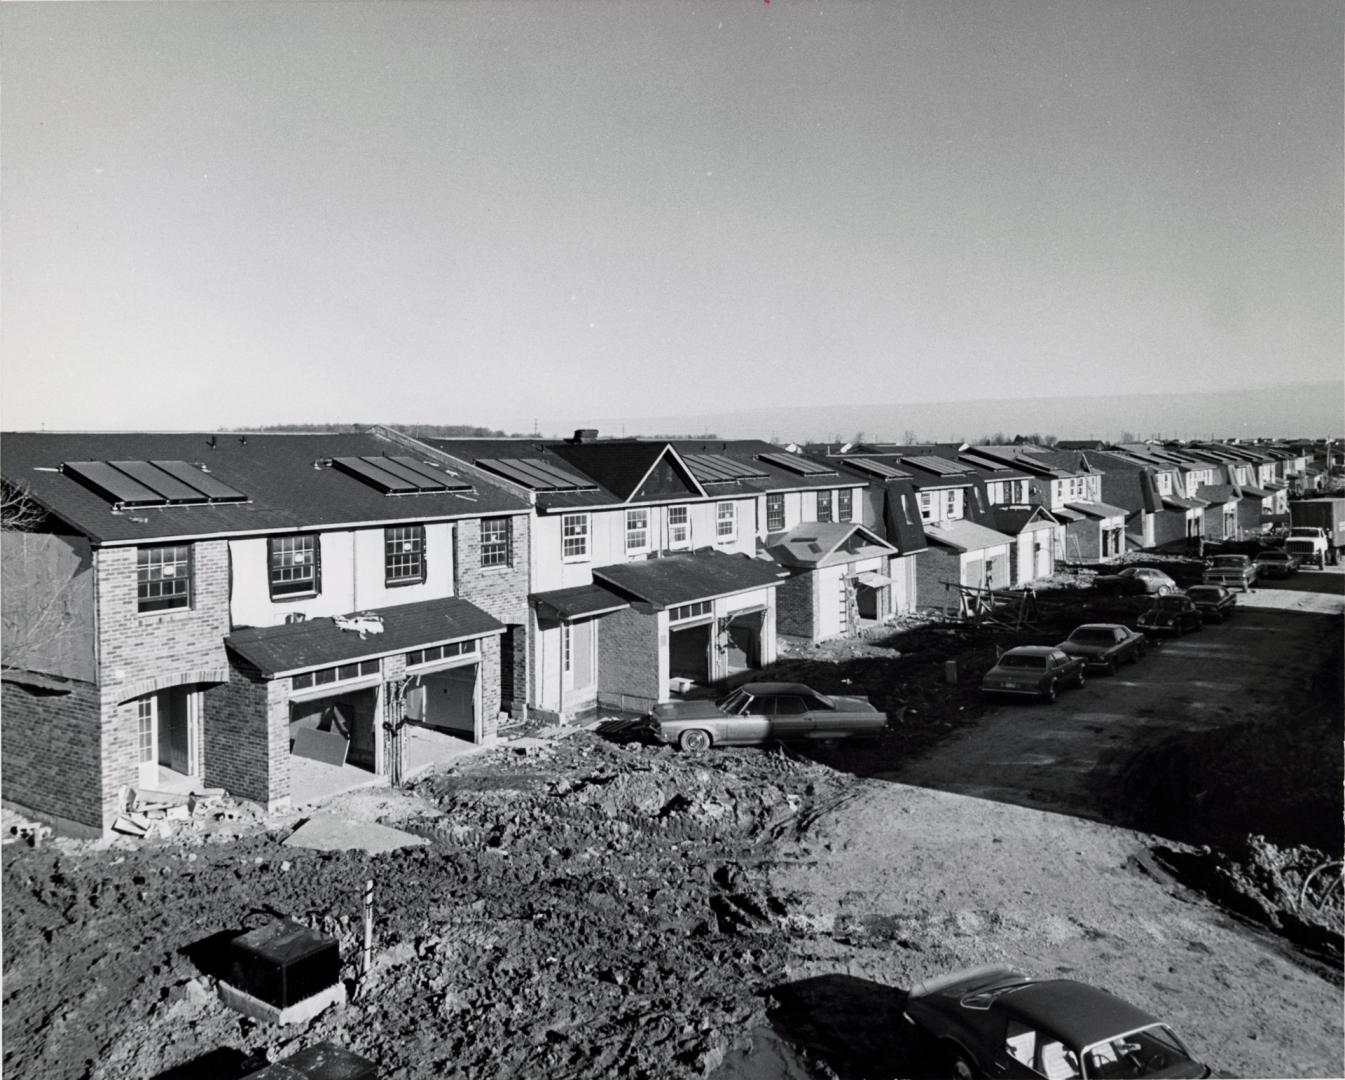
(776, 688)
(1080, 1014)
(1031, 650)
(1098, 626)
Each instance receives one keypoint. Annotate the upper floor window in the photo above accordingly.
(679, 527)
(845, 505)
(775, 512)
(574, 536)
(726, 521)
(637, 529)
(163, 577)
(926, 506)
(404, 555)
(497, 545)
(294, 565)
(823, 506)
(950, 504)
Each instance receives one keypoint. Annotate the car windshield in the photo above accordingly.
(1021, 660)
(1151, 1052)
(1169, 603)
(1232, 561)
(736, 703)
(1203, 592)
(1093, 635)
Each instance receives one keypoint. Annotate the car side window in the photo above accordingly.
(789, 705)
(1021, 1043)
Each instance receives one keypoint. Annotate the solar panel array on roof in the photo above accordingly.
(151, 483)
(797, 464)
(877, 468)
(537, 474)
(400, 475)
(717, 469)
(933, 464)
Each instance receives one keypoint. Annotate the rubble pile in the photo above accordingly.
(586, 909)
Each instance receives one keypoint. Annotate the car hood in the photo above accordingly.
(1081, 648)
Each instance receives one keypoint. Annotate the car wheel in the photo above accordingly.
(960, 1066)
(1111, 665)
(695, 741)
(1048, 692)
(1135, 655)
(1163, 590)
(1078, 682)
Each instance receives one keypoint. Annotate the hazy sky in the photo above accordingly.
(234, 214)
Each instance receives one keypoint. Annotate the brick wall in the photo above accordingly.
(51, 763)
(628, 660)
(933, 567)
(141, 652)
(247, 738)
(794, 606)
(503, 593)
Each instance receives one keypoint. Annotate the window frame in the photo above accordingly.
(845, 504)
(723, 536)
(150, 595)
(415, 534)
(497, 552)
(637, 529)
(684, 524)
(775, 511)
(274, 546)
(579, 539)
(925, 504)
(823, 511)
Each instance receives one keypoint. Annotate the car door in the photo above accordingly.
(748, 721)
(792, 719)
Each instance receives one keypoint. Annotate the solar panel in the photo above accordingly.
(111, 483)
(717, 469)
(941, 466)
(214, 490)
(877, 468)
(536, 474)
(441, 478)
(168, 487)
(794, 463)
(384, 481)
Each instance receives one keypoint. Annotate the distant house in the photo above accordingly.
(1148, 485)
(234, 607)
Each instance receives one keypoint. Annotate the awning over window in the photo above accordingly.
(873, 579)
(315, 643)
(581, 601)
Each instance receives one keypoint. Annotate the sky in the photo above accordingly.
(513, 214)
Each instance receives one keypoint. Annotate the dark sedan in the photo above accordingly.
(994, 1021)
(757, 713)
(1036, 670)
(1104, 645)
(1277, 562)
(1171, 615)
(1214, 602)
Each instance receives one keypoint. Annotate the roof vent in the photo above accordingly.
(584, 434)
(322, 463)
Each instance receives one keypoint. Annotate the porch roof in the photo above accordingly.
(966, 536)
(1097, 509)
(815, 544)
(680, 579)
(1181, 502)
(315, 643)
(578, 602)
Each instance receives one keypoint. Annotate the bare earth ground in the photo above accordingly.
(589, 907)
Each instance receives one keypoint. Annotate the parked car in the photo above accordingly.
(1277, 562)
(1214, 602)
(1038, 670)
(1104, 645)
(1170, 615)
(994, 1021)
(1135, 581)
(1231, 571)
(757, 713)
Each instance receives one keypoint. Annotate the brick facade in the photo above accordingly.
(794, 605)
(247, 737)
(628, 660)
(501, 591)
(52, 754)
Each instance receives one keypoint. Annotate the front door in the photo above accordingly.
(147, 731)
(174, 738)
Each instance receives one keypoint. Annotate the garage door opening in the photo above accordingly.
(689, 653)
(337, 730)
(744, 644)
(447, 701)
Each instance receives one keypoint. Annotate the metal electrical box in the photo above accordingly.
(284, 962)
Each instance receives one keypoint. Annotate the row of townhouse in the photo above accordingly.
(225, 610)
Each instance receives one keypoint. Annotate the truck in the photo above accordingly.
(1230, 571)
(1317, 531)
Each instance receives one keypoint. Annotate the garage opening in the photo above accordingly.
(446, 701)
(338, 730)
(744, 640)
(689, 652)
